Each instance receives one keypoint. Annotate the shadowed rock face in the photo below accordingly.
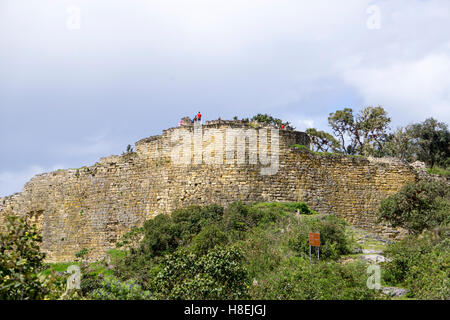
(92, 207)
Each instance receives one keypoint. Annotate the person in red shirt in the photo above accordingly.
(199, 117)
(282, 126)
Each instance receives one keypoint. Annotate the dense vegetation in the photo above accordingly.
(257, 251)
(421, 261)
(418, 206)
(268, 119)
(20, 263)
(244, 252)
(254, 251)
(421, 264)
(367, 133)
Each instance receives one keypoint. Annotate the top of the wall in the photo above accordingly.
(186, 123)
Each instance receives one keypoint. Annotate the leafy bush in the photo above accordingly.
(131, 239)
(298, 279)
(191, 220)
(422, 264)
(268, 119)
(164, 233)
(239, 217)
(217, 275)
(418, 206)
(160, 236)
(334, 240)
(112, 288)
(208, 238)
(200, 253)
(20, 262)
(89, 283)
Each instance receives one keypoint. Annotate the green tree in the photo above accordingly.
(21, 261)
(323, 141)
(432, 139)
(268, 119)
(399, 144)
(341, 123)
(372, 127)
(418, 206)
(366, 130)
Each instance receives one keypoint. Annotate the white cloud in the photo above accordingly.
(135, 66)
(411, 90)
(100, 144)
(302, 125)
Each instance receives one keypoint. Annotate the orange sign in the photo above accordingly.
(314, 239)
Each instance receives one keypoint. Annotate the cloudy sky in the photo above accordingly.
(82, 79)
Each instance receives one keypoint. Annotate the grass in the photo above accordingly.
(57, 267)
(115, 255)
(299, 147)
(439, 171)
(96, 268)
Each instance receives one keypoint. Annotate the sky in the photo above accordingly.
(80, 80)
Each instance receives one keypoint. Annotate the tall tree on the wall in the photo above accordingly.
(367, 130)
(323, 141)
(432, 139)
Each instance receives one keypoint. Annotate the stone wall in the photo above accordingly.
(91, 207)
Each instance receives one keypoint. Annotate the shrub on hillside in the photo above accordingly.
(192, 219)
(239, 217)
(165, 233)
(208, 238)
(418, 206)
(299, 279)
(422, 264)
(334, 240)
(162, 235)
(112, 288)
(21, 261)
(219, 274)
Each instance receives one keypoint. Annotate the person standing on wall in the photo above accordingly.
(199, 117)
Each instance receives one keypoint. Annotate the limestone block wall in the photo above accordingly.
(92, 207)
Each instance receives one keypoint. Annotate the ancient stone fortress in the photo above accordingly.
(217, 162)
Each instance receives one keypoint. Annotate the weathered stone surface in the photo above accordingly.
(394, 291)
(374, 258)
(92, 207)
